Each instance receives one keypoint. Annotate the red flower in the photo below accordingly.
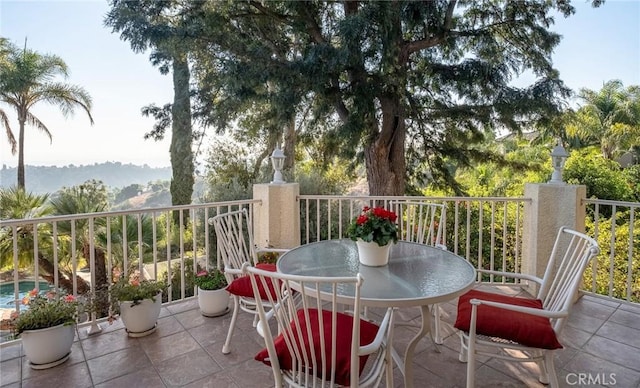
(362, 219)
(69, 298)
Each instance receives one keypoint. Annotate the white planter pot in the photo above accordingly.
(372, 254)
(213, 303)
(46, 348)
(140, 319)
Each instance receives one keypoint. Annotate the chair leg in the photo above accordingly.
(550, 371)
(462, 356)
(471, 363)
(232, 325)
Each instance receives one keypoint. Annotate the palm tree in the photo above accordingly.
(27, 79)
(5, 49)
(610, 118)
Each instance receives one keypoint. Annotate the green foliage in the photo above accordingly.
(177, 270)
(633, 174)
(89, 197)
(128, 192)
(331, 180)
(213, 279)
(374, 225)
(265, 66)
(229, 172)
(268, 257)
(46, 309)
(529, 164)
(16, 203)
(19, 204)
(618, 264)
(488, 240)
(604, 178)
(608, 118)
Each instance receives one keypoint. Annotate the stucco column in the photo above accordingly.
(276, 220)
(551, 207)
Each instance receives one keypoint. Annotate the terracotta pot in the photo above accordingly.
(213, 303)
(46, 348)
(372, 254)
(140, 319)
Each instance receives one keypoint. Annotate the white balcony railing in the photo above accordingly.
(485, 230)
(616, 227)
(68, 250)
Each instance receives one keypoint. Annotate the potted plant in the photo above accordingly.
(373, 230)
(46, 327)
(137, 301)
(213, 298)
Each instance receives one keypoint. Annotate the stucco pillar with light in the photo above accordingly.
(276, 220)
(553, 204)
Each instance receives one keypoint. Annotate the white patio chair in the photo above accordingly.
(350, 352)
(526, 329)
(234, 237)
(423, 223)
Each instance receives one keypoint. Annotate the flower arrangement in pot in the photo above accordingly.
(373, 230)
(137, 301)
(213, 298)
(47, 326)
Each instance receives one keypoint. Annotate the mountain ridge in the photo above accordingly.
(49, 179)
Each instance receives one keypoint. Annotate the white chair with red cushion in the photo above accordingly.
(424, 223)
(234, 237)
(310, 342)
(526, 329)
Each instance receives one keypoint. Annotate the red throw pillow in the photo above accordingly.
(344, 322)
(526, 329)
(242, 286)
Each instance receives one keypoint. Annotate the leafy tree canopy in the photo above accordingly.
(410, 89)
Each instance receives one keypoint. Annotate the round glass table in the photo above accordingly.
(417, 275)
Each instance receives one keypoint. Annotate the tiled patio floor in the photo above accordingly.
(602, 345)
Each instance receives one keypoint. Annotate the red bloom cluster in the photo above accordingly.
(378, 212)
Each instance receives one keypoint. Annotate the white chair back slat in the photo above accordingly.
(571, 253)
(421, 222)
(235, 240)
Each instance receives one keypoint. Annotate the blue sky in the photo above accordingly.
(598, 45)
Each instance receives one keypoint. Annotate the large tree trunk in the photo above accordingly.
(181, 136)
(64, 282)
(384, 155)
(101, 289)
(290, 144)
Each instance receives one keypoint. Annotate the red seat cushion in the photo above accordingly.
(368, 333)
(526, 329)
(242, 286)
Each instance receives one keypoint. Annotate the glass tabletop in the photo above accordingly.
(417, 274)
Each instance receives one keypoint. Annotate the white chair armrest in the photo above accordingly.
(233, 271)
(386, 323)
(511, 275)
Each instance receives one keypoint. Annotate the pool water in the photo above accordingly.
(24, 286)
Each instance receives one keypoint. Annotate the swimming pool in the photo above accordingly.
(24, 286)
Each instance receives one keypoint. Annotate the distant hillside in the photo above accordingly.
(47, 179)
